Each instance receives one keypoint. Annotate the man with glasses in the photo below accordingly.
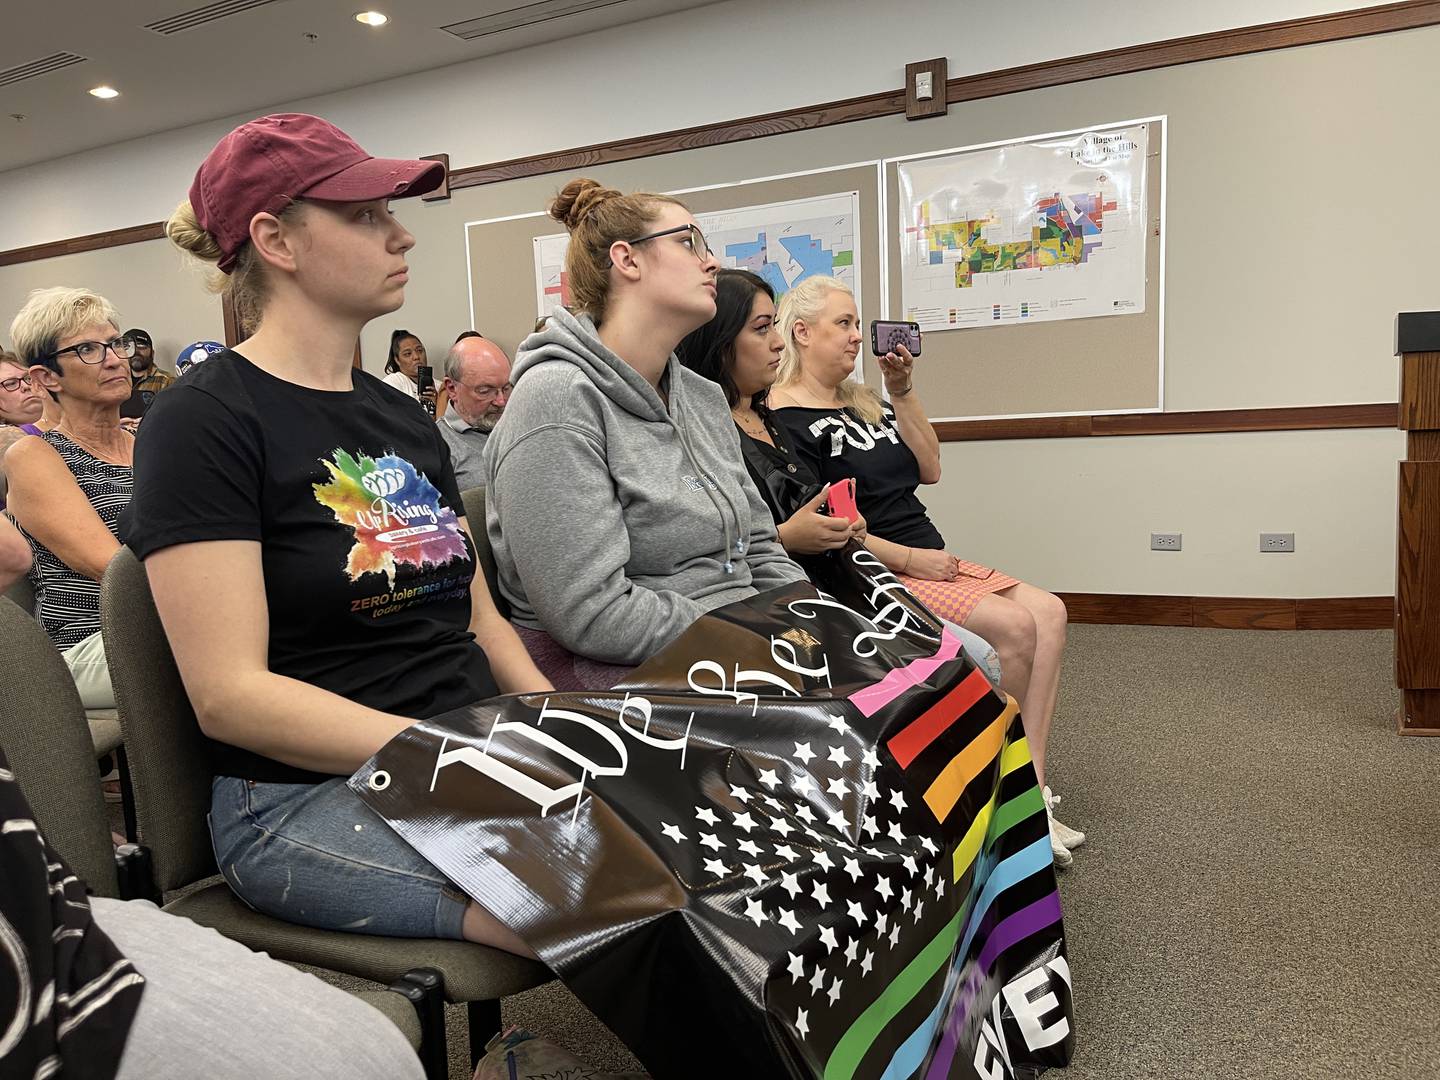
(146, 378)
(477, 379)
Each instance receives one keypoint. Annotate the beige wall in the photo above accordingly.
(150, 284)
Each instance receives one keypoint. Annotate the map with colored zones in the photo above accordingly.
(1042, 230)
(784, 243)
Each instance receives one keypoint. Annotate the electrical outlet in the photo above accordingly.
(924, 86)
(1277, 541)
(1164, 541)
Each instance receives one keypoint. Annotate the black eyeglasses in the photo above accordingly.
(13, 384)
(93, 352)
(696, 240)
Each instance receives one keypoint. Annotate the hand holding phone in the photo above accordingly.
(887, 337)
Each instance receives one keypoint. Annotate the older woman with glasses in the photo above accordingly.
(69, 485)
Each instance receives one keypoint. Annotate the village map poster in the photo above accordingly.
(1033, 231)
(783, 242)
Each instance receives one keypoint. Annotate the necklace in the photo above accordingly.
(752, 427)
(94, 451)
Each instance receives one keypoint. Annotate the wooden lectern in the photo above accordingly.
(1417, 567)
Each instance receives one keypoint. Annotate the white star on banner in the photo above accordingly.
(837, 787)
(939, 886)
(919, 908)
(928, 845)
(770, 778)
(822, 858)
(785, 851)
(716, 867)
(705, 814)
(906, 899)
(895, 935)
(838, 723)
(791, 884)
(673, 832)
(797, 967)
(870, 758)
(855, 911)
(783, 827)
(711, 841)
(852, 867)
(749, 847)
(884, 889)
(774, 804)
(739, 793)
(850, 947)
(804, 784)
(876, 853)
(882, 923)
(866, 961)
(787, 919)
(897, 800)
(834, 992)
(827, 938)
(838, 756)
(821, 894)
(869, 828)
(896, 833)
(754, 912)
(869, 790)
(743, 820)
(803, 752)
(909, 863)
(754, 873)
(817, 981)
(806, 815)
(837, 820)
(802, 1023)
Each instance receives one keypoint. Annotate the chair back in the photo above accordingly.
(22, 595)
(47, 742)
(474, 502)
(169, 766)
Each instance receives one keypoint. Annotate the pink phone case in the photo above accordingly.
(842, 500)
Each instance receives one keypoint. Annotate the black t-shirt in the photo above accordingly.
(836, 444)
(353, 501)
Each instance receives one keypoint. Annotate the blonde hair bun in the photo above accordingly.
(186, 233)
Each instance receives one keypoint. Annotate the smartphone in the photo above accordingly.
(841, 500)
(884, 336)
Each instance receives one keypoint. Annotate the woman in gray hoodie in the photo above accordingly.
(618, 504)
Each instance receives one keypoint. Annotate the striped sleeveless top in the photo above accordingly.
(66, 603)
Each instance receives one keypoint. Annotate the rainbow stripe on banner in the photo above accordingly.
(1004, 855)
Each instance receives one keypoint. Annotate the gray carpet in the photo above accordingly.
(1259, 894)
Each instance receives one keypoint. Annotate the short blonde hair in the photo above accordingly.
(806, 303)
(52, 314)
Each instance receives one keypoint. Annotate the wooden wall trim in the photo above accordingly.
(135, 234)
(1234, 612)
(1241, 41)
(1313, 30)
(1297, 418)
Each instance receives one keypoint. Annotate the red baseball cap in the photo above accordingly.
(264, 165)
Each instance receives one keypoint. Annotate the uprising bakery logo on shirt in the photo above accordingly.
(395, 512)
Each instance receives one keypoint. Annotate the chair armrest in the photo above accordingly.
(136, 871)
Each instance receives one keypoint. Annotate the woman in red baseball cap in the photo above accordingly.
(305, 539)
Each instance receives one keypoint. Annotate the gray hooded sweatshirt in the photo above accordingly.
(616, 523)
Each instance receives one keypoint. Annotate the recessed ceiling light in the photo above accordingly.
(105, 92)
(371, 18)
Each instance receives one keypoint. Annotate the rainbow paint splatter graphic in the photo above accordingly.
(396, 514)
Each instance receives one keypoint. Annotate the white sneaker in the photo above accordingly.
(1058, 850)
(1070, 838)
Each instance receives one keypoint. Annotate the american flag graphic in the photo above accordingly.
(847, 877)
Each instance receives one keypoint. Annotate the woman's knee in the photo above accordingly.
(1010, 627)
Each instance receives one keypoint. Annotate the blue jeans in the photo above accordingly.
(314, 854)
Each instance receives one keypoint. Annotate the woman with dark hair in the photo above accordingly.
(403, 363)
(740, 349)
